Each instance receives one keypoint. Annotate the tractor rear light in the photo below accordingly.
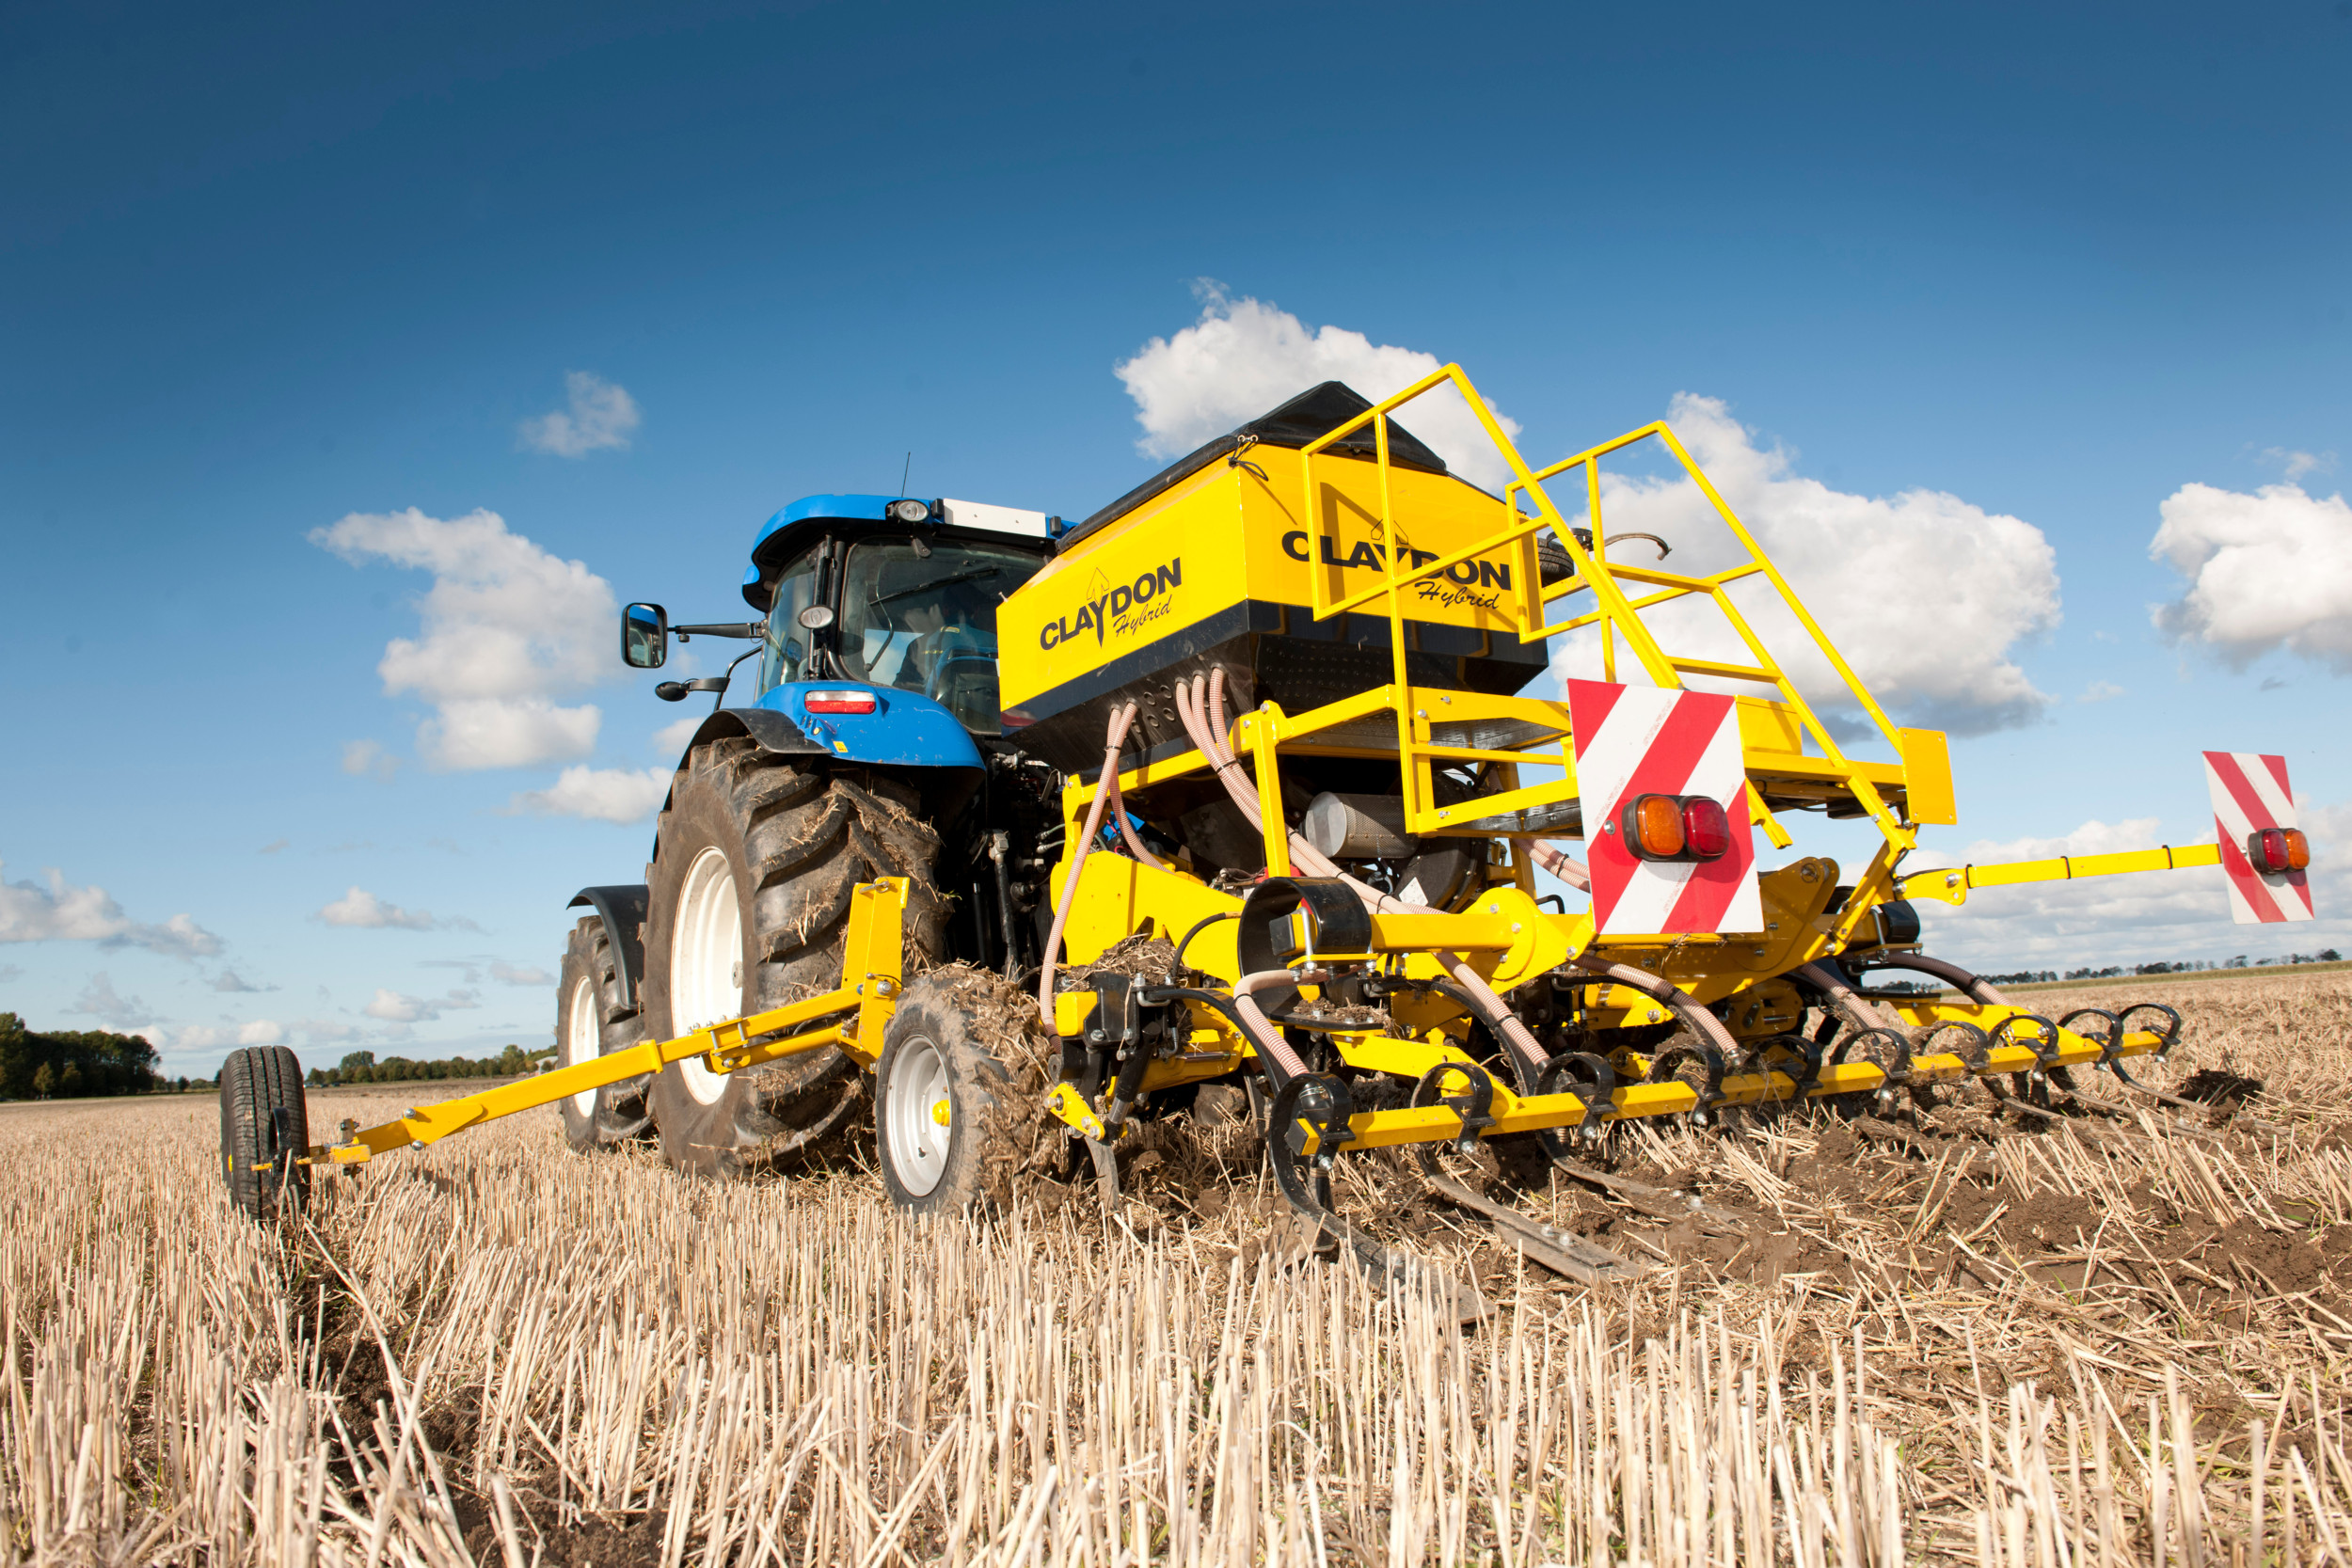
(835, 700)
(1653, 826)
(1706, 831)
(2299, 849)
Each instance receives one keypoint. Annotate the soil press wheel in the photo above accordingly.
(755, 856)
(264, 1128)
(591, 1020)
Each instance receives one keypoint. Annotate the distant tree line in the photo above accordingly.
(361, 1067)
(2187, 966)
(71, 1063)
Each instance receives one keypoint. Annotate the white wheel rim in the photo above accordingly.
(705, 962)
(917, 1095)
(582, 1039)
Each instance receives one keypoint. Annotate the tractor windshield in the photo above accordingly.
(926, 621)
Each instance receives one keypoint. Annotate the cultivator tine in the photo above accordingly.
(2032, 1086)
(1323, 1104)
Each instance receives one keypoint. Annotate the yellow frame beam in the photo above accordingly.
(871, 956)
(1952, 885)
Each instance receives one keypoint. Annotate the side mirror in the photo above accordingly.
(646, 636)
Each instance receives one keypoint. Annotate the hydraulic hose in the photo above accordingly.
(1118, 810)
(1120, 720)
(1978, 989)
(1569, 870)
(1204, 717)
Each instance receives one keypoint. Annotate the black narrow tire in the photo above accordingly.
(591, 1020)
(264, 1128)
(966, 1043)
(793, 836)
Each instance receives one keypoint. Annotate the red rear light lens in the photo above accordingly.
(1653, 826)
(836, 701)
(2266, 850)
(1706, 831)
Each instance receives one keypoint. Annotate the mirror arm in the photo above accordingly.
(753, 629)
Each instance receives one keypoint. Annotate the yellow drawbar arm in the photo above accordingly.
(869, 987)
(1952, 885)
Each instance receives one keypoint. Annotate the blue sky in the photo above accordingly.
(263, 270)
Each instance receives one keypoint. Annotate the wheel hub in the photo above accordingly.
(583, 1039)
(705, 962)
(919, 1116)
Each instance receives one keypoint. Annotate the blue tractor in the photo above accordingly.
(869, 745)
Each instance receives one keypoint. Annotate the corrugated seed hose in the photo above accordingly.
(1120, 720)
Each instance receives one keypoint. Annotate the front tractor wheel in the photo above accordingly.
(960, 1061)
(754, 858)
(591, 1020)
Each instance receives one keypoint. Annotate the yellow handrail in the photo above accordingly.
(1616, 614)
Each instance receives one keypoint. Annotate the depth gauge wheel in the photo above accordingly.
(265, 1126)
(591, 1020)
(960, 1079)
(754, 858)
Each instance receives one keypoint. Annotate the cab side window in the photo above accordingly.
(785, 658)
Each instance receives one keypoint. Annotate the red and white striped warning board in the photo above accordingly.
(2249, 793)
(1644, 740)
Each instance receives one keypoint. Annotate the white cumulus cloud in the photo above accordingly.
(366, 756)
(519, 975)
(206, 1036)
(62, 913)
(393, 1007)
(2266, 571)
(100, 1000)
(670, 740)
(601, 416)
(508, 629)
(1244, 357)
(362, 908)
(600, 794)
(1925, 594)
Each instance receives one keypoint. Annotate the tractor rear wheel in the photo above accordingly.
(264, 1128)
(754, 858)
(591, 1020)
(957, 1091)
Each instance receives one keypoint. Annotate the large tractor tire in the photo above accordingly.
(958, 1090)
(264, 1127)
(591, 1020)
(754, 858)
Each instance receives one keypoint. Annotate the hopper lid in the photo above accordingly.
(1313, 413)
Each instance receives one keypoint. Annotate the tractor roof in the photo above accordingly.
(780, 536)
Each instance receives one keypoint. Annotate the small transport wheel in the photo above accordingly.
(590, 1022)
(956, 1083)
(264, 1130)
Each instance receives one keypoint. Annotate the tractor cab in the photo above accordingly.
(891, 592)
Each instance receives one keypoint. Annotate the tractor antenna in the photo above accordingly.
(903, 472)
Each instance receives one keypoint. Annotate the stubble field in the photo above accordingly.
(1963, 1338)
